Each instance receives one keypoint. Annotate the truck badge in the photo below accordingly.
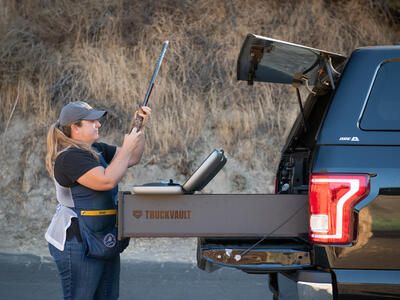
(349, 139)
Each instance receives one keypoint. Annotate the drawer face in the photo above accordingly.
(212, 215)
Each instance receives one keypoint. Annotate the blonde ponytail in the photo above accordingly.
(58, 141)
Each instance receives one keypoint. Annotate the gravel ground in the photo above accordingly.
(182, 250)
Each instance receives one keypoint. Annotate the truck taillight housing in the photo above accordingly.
(332, 198)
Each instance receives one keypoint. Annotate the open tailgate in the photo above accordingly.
(268, 60)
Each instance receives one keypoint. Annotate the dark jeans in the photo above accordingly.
(83, 277)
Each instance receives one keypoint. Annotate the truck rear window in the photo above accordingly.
(382, 110)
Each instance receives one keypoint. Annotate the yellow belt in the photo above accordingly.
(106, 212)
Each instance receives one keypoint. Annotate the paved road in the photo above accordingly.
(31, 277)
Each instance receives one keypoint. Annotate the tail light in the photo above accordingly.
(332, 198)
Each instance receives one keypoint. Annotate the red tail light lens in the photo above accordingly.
(332, 198)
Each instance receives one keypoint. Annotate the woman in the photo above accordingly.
(86, 174)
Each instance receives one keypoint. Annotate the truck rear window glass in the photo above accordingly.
(382, 111)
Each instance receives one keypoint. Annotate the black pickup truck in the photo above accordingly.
(332, 228)
(343, 151)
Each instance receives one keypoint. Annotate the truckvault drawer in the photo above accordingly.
(212, 215)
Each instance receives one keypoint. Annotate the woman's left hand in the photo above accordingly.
(145, 113)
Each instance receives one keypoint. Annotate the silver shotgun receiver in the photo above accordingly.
(137, 123)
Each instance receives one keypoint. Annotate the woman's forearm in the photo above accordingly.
(118, 167)
(136, 154)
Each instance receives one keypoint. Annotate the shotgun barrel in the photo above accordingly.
(139, 120)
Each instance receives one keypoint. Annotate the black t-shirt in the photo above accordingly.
(74, 162)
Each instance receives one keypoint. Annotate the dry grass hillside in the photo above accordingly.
(56, 51)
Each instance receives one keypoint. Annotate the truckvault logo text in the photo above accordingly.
(163, 214)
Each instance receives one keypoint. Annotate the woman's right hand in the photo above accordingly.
(133, 140)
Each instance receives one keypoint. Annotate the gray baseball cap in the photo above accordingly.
(79, 110)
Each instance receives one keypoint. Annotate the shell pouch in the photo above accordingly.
(101, 244)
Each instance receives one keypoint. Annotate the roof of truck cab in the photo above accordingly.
(342, 122)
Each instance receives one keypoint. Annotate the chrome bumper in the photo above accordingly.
(314, 290)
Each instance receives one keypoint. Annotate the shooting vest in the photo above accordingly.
(95, 210)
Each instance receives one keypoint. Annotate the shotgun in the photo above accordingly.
(138, 121)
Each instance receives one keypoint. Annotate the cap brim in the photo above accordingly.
(95, 114)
